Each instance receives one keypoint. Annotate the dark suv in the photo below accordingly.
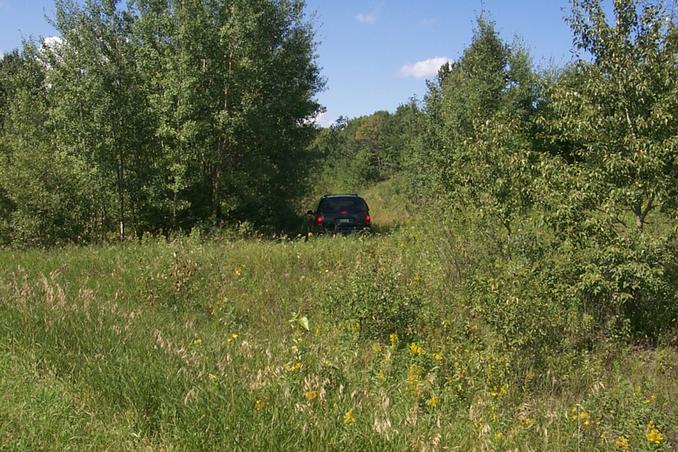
(341, 213)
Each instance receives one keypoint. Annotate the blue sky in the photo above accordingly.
(369, 50)
(366, 45)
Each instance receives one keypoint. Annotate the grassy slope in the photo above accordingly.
(189, 344)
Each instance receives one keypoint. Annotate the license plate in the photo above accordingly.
(344, 221)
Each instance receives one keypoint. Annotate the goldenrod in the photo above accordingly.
(584, 418)
(293, 367)
(348, 417)
(653, 434)
(622, 443)
(415, 349)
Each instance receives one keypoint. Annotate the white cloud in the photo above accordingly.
(425, 68)
(369, 19)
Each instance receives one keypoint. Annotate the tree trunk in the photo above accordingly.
(641, 213)
(216, 193)
(121, 197)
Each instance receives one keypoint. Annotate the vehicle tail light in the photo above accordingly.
(368, 219)
(319, 220)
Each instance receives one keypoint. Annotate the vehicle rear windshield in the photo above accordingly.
(337, 204)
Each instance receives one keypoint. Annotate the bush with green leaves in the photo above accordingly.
(377, 300)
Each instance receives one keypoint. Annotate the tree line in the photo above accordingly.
(491, 127)
(569, 175)
(156, 116)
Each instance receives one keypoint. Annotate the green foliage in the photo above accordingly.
(165, 114)
(45, 193)
(620, 110)
(581, 154)
(359, 152)
(378, 299)
(476, 150)
(203, 344)
(610, 115)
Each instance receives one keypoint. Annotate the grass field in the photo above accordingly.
(325, 343)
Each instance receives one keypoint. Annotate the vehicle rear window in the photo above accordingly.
(336, 204)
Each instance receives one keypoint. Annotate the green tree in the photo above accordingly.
(44, 192)
(232, 85)
(621, 112)
(361, 151)
(477, 149)
(98, 109)
(614, 110)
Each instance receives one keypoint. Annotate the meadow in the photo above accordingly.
(376, 342)
(519, 292)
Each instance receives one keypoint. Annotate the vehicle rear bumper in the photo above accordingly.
(345, 229)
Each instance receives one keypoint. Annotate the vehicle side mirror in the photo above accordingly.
(310, 212)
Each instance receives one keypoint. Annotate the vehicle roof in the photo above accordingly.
(347, 195)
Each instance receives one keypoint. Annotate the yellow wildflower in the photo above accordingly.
(651, 398)
(260, 404)
(498, 436)
(393, 339)
(584, 418)
(653, 434)
(622, 443)
(293, 367)
(376, 347)
(237, 271)
(432, 402)
(415, 349)
(528, 422)
(310, 394)
(348, 417)
(413, 374)
(438, 357)
(381, 376)
(197, 341)
(232, 337)
(499, 392)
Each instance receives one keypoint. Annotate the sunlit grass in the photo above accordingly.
(225, 344)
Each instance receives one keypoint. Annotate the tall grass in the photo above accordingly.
(300, 344)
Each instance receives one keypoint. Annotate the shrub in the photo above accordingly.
(626, 285)
(377, 299)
